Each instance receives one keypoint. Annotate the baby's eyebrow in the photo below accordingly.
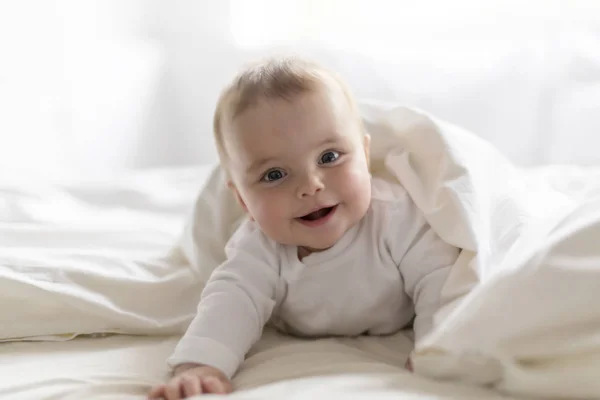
(259, 163)
(330, 140)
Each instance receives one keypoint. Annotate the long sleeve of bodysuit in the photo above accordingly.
(424, 260)
(236, 303)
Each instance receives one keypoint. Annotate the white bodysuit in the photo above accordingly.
(389, 267)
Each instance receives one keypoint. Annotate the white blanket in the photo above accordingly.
(521, 308)
(77, 260)
(500, 299)
(81, 258)
(67, 252)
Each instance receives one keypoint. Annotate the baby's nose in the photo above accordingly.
(310, 186)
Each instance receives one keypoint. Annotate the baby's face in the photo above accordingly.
(300, 168)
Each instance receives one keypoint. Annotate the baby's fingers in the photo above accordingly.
(408, 365)
(191, 386)
(214, 385)
(173, 390)
(157, 392)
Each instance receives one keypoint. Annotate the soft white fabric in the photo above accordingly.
(145, 211)
(527, 296)
(534, 328)
(366, 283)
(278, 368)
(501, 216)
(468, 192)
(91, 257)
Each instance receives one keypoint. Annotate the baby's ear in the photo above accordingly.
(238, 197)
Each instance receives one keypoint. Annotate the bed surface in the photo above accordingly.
(113, 226)
(124, 367)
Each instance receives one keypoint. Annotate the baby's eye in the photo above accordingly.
(273, 175)
(329, 157)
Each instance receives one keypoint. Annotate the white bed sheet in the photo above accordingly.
(279, 367)
(111, 227)
(96, 256)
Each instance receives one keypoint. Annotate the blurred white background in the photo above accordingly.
(95, 87)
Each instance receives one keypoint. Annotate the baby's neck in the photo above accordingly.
(306, 251)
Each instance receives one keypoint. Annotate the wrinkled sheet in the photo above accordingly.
(519, 309)
(96, 256)
(81, 258)
(278, 367)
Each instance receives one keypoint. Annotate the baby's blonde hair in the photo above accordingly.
(273, 78)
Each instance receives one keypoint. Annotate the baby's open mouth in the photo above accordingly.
(313, 216)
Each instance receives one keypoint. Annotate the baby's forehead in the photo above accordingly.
(310, 113)
(324, 97)
(251, 112)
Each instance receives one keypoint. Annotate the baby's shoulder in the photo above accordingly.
(392, 209)
(389, 196)
(250, 239)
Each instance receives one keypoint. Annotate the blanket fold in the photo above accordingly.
(505, 219)
(520, 308)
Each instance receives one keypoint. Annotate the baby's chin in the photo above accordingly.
(316, 249)
(322, 245)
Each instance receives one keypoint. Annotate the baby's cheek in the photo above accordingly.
(356, 182)
(273, 221)
(270, 211)
(358, 192)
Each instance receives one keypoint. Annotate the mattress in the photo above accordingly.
(65, 231)
(124, 367)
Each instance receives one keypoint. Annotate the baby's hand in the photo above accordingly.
(190, 380)
(408, 365)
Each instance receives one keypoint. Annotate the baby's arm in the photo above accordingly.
(424, 261)
(425, 268)
(235, 305)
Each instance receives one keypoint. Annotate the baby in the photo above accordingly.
(326, 249)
